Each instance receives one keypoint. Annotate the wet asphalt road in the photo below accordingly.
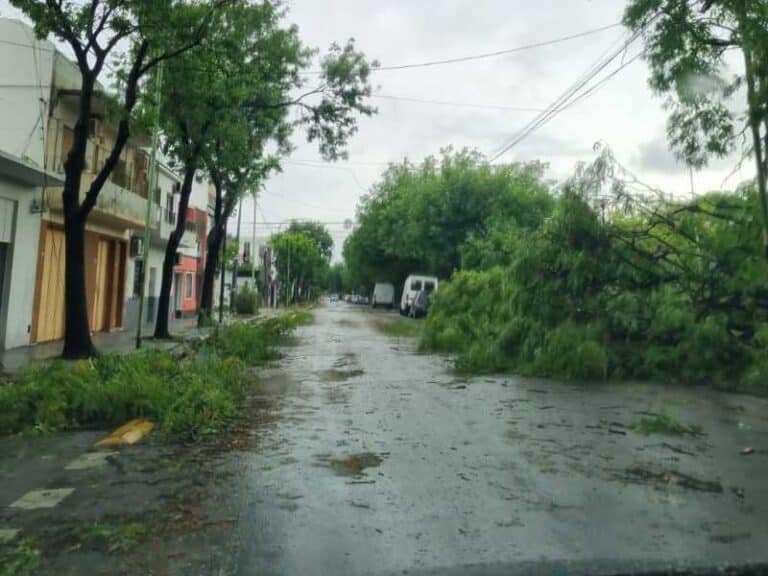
(376, 459)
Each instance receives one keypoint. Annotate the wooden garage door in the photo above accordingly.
(101, 297)
(50, 315)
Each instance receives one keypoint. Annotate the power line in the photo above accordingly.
(456, 104)
(301, 203)
(571, 96)
(490, 54)
(330, 166)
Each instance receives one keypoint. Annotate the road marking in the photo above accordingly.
(8, 535)
(42, 498)
(89, 460)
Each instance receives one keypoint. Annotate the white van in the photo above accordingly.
(383, 295)
(413, 285)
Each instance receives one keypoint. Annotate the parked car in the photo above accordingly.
(413, 285)
(383, 295)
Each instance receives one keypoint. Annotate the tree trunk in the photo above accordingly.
(209, 276)
(169, 261)
(753, 111)
(77, 329)
(222, 210)
(212, 259)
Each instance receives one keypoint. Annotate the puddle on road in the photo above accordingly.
(355, 464)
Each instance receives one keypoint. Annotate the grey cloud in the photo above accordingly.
(656, 156)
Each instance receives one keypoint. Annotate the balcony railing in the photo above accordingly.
(113, 203)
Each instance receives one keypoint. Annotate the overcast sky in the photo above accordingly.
(623, 113)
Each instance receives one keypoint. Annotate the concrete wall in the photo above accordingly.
(26, 70)
(21, 267)
(156, 255)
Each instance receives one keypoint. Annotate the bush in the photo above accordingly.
(572, 352)
(254, 343)
(195, 393)
(247, 301)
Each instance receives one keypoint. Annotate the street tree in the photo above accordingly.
(254, 136)
(318, 233)
(248, 55)
(688, 43)
(302, 269)
(436, 216)
(135, 36)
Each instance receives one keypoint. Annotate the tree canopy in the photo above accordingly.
(302, 258)
(687, 48)
(419, 217)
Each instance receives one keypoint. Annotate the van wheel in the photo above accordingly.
(403, 311)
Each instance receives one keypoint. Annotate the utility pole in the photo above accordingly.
(223, 269)
(233, 288)
(253, 242)
(148, 212)
(290, 287)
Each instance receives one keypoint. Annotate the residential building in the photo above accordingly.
(40, 90)
(164, 199)
(21, 185)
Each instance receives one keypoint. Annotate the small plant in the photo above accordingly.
(113, 537)
(20, 559)
(247, 301)
(664, 424)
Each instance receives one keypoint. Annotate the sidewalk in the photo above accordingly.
(121, 342)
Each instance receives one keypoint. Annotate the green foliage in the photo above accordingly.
(318, 233)
(301, 262)
(254, 343)
(19, 559)
(400, 327)
(655, 290)
(572, 352)
(246, 301)
(665, 424)
(689, 47)
(686, 44)
(115, 537)
(418, 218)
(199, 392)
(337, 279)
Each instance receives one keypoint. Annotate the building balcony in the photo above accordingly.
(116, 206)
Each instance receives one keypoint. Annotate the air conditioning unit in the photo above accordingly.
(36, 206)
(135, 248)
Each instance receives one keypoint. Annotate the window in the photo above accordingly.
(170, 215)
(416, 285)
(188, 292)
(138, 276)
(429, 287)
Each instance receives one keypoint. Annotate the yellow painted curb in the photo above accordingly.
(129, 433)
